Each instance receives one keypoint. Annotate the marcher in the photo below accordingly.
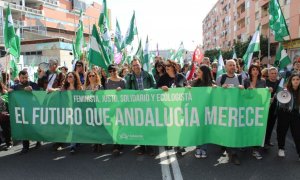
(93, 83)
(140, 80)
(4, 117)
(72, 83)
(255, 81)
(29, 86)
(289, 116)
(273, 83)
(117, 83)
(204, 79)
(229, 80)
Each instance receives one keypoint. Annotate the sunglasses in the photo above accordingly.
(91, 75)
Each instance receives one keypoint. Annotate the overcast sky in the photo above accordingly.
(166, 22)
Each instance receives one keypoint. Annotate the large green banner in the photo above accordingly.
(180, 117)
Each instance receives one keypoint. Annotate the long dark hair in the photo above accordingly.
(77, 83)
(2, 88)
(289, 87)
(160, 63)
(252, 66)
(207, 79)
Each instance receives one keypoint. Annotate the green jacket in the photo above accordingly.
(148, 81)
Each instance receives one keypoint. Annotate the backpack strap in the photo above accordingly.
(223, 79)
(240, 79)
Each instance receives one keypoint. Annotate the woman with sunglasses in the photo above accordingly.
(160, 70)
(80, 70)
(172, 79)
(117, 83)
(72, 83)
(93, 83)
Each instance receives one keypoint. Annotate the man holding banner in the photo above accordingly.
(26, 86)
(230, 80)
(140, 80)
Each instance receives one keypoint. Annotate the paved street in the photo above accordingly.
(43, 163)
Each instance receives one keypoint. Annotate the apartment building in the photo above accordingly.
(232, 20)
(47, 27)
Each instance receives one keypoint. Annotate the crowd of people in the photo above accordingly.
(165, 74)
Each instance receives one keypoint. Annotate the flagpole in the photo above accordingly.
(269, 48)
(6, 64)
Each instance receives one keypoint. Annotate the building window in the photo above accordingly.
(286, 2)
(247, 4)
(248, 20)
(257, 15)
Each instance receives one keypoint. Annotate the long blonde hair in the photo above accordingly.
(87, 80)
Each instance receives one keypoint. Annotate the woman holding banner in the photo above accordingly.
(255, 81)
(204, 79)
(172, 79)
(93, 83)
(289, 116)
(117, 83)
(72, 83)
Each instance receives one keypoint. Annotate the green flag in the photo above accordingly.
(74, 51)
(11, 41)
(281, 85)
(277, 21)
(97, 53)
(104, 25)
(139, 53)
(254, 46)
(171, 54)
(221, 65)
(131, 32)
(282, 59)
(13, 68)
(179, 54)
(79, 42)
(234, 56)
(118, 37)
(146, 60)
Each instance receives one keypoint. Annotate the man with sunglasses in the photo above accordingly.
(140, 80)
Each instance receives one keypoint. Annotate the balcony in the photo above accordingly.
(241, 15)
(263, 2)
(239, 3)
(240, 31)
(264, 20)
(19, 8)
(42, 2)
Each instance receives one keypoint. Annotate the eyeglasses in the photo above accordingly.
(91, 75)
